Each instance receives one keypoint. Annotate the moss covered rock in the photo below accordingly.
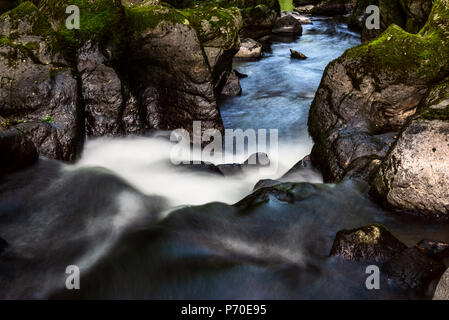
(371, 90)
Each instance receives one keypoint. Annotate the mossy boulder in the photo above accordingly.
(371, 90)
(373, 243)
(37, 82)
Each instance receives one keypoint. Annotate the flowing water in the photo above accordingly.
(123, 213)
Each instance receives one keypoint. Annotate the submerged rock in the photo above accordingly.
(412, 269)
(371, 243)
(297, 55)
(249, 49)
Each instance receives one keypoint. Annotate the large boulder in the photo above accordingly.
(171, 77)
(367, 95)
(412, 269)
(373, 243)
(411, 15)
(287, 25)
(414, 176)
(38, 83)
(15, 149)
(249, 49)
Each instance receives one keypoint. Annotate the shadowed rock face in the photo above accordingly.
(134, 66)
(16, 150)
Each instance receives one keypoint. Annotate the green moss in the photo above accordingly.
(101, 21)
(212, 22)
(406, 54)
(141, 18)
(16, 50)
(27, 11)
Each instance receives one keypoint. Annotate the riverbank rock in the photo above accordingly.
(249, 49)
(135, 65)
(371, 243)
(412, 269)
(367, 95)
(16, 150)
(409, 15)
(297, 55)
(287, 26)
(258, 18)
(414, 176)
(442, 291)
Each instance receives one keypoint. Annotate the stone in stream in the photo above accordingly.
(412, 269)
(373, 243)
(442, 290)
(232, 87)
(287, 26)
(249, 49)
(297, 55)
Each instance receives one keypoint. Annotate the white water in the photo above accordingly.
(145, 163)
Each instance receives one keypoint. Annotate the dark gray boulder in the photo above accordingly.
(434, 249)
(373, 243)
(287, 26)
(412, 269)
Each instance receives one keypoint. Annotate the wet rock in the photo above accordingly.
(249, 49)
(16, 150)
(297, 55)
(434, 249)
(287, 26)
(304, 8)
(230, 169)
(259, 159)
(266, 183)
(442, 290)
(102, 92)
(232, 87)
(171, 77)
(371, 243)
(266, 43)
(301, 18)
(412, 269)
